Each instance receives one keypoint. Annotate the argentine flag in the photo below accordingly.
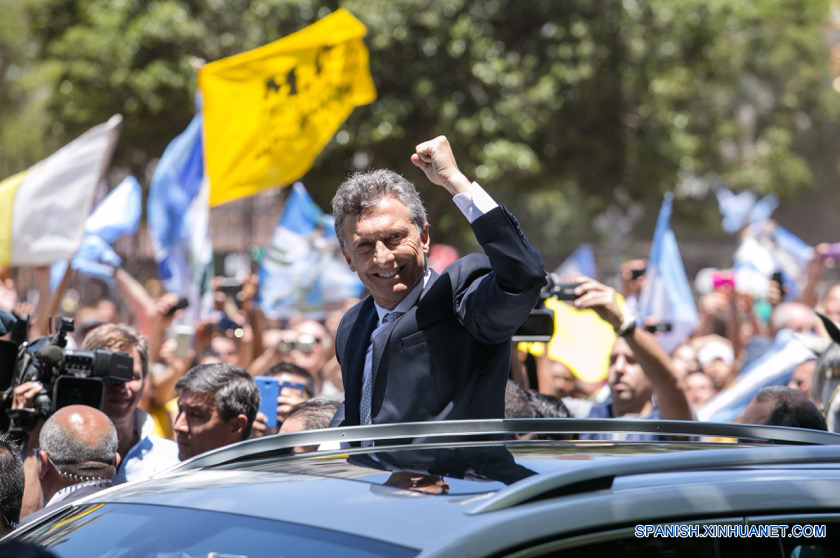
(178, 214)
(666, 295)
(116, 216)
(302, 270)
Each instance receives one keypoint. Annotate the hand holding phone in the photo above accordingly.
(566, 291)
(183, 340)
(180, 305)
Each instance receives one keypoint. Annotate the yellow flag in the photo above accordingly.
(268, 112)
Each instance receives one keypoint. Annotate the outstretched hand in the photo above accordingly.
(436, 160)
(600, 298)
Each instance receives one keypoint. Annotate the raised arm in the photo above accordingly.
(651, 357)
(492, 301)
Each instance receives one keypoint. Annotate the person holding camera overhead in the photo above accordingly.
(425, 346)
(639, 368)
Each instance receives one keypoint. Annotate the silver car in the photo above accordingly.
(512, 488)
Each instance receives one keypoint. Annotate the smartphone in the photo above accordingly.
(723, 280)
(663, 327)
(180, 305)
(183, 340)
(293, 385)
(230, 286)
(833, 252)
(269, 389)
(566, 291)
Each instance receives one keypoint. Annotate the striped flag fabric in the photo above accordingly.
(178, 215)
(302, 271)
(579, 262)
(774, 368)
(666, 295)
(43, 209)
(116, 216)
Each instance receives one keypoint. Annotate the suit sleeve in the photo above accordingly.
(492, 303)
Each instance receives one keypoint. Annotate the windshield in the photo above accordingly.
(143, 531)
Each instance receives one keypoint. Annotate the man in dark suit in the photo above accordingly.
(425, 346)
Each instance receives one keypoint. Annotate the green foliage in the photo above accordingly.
(552, 105)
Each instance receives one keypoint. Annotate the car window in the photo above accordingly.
(143, 531)
(654, 548)
(816, 538)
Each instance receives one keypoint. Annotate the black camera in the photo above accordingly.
(69, 377)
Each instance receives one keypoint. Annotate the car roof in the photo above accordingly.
(532, 487)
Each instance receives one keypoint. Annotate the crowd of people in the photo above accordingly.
(193, 388)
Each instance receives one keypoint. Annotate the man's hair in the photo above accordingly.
(289, 368)
(363, 190)
(828, 367)
(11, 480)
(314, 413)
(119, 336)
(76, 460)
(791, 408)
(518, 402)
(521, 403)
(231, 387)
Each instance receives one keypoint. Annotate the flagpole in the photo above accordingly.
(55, 298)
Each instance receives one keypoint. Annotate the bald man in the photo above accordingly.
(77, 455)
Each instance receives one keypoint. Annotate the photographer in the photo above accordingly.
(145, 453)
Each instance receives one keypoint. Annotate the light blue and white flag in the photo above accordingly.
(767, 247)
(303, 270)
(774, 368)
(117, 215)
(579, 262)
(741, 209)
(666, 295)
(178, 215)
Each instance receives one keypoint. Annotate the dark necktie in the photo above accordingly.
(367, 385)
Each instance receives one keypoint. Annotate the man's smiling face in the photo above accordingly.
(385, 248)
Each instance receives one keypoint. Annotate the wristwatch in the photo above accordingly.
(627, 326)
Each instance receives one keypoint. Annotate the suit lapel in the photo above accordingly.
(409, 320)
(357, 344)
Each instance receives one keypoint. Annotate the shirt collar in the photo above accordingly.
(408, 302)
(68, 490)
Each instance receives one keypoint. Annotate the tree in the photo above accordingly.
(555, 106)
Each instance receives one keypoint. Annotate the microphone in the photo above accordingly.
(51, 354)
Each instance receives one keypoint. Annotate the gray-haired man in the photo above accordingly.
(425, 346)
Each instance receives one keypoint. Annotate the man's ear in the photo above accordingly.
(347, 259)
(43, 464)
(425, 239)
(117, 460)
(238, 424)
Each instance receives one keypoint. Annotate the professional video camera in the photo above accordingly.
(69, 377)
